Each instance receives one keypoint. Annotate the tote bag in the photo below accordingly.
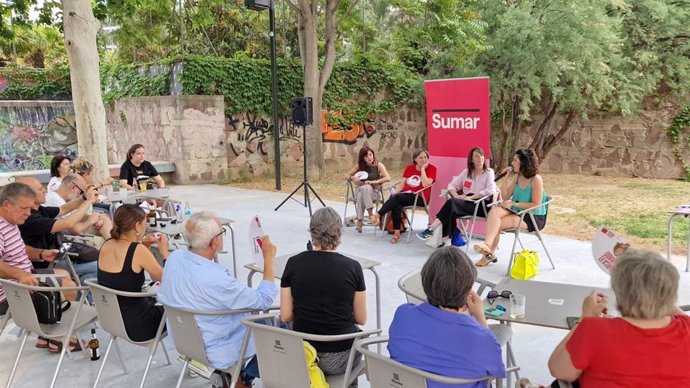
(525, 266)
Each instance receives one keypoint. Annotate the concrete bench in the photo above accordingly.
(166, 169)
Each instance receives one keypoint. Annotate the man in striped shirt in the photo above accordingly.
(16, 202)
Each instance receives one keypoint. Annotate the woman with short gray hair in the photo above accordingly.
(448, 335)
(323, 292)
(647, 346)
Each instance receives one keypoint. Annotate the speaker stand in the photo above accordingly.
(305, 183)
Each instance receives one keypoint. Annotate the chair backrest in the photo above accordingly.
(186, 334)
(281, 356)
(411, 285)
(21, 306)
(386, 372)
(108, 308)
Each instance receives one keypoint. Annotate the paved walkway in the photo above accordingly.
(288, 229)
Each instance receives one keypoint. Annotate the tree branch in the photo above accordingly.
(551, 141)
(292, 5)
(329, 59)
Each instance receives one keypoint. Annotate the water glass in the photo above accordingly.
(517, 306)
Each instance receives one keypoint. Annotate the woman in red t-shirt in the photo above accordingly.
(416, 176)
(648, 346)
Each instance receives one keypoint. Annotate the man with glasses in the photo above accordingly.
(193, 280)
(43, 229)
(72, 187)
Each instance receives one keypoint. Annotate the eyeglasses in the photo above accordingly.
(221, 233)
(493, 294)
(81, 191)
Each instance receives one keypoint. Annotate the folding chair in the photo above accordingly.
(350, 190)
(24, 316)
(189, 343)
(386, 372)
(411, 285)
(281, 355)
(110, 317)
(530, 213)
(413, 207)
(478, 204)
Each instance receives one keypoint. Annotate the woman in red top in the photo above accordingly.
(416, 176)
(648, 346)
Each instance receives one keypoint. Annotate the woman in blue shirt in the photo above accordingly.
(527, 192)
(448, 335)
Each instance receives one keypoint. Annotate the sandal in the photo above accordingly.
(374, 218)
(396, 237)
(42, 342)
(55, 346)
(486, 260)
(358, 226)
(483, 249)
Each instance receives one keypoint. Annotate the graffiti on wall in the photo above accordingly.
(335, 133)
(250, 135)
(31, 136)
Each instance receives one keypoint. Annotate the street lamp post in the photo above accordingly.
(260, 5)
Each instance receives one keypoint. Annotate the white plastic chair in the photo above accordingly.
(24, 315)
(517, 232)
(386, 372)
(281, 357)
(110, 317)
(190, 344)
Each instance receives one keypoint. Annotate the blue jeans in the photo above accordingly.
(84, 270)
(250, 371)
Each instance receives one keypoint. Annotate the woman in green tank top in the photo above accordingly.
(528, 191)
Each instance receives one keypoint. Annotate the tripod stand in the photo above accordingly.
(305, 182)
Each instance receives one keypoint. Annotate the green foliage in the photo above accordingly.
(357, 88)
(680, 126)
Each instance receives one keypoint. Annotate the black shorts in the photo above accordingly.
(539, 220)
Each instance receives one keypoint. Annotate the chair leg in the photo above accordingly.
(541, 239)
(512, 251)
(62, 357)
(16, 361)
(165, 351)
(119, 356)
(105, 359)
(152, 351)
(184, 368)
(409, 230)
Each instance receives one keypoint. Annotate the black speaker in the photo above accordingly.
(302, 111)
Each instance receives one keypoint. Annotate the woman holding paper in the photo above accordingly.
(368, 175)
(527, 192)
(323, 292)
(474, 182)
(417, 176)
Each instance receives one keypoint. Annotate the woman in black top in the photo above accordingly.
(367, 189)
(323, 292)
(121, 265)
(135, 166)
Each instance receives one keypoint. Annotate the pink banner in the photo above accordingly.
(458, 119)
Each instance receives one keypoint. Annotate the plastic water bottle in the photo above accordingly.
(179, 216)
(187, 211)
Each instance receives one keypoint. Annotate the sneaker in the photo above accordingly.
(425, 234)
(257, 383)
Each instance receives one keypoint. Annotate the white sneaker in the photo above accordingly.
(257, 383)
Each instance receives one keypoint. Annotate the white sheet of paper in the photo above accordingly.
(256, 233)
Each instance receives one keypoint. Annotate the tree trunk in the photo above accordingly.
(552, 140)
(81, 28)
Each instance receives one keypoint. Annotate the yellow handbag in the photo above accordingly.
(316, 376)
(525, 266)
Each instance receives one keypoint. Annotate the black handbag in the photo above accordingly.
(49, 305)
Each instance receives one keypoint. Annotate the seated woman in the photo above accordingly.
(448, 335)
(84, 168)
(121, 265)
(136, 166)
(416, 176)
(474, 182)
(367, 190)
(528, 191)
(59, 167)
(323, 292)
(647, 346)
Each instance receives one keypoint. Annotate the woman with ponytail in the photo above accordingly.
(121, 265)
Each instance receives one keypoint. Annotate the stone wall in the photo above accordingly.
(619, 146)
(186, 130)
